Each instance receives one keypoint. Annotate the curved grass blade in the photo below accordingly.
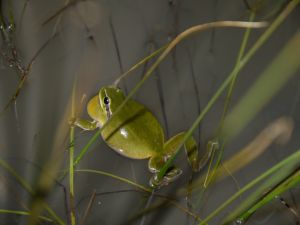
(134, 67)
(24, 213)
(115, 177)
(141, 188)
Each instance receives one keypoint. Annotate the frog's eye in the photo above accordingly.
(106, 100)
(107, 108)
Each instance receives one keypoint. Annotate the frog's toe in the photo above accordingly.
(155, 182)
(72, 121)
(172, 175)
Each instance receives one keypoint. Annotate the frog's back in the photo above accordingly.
(136, 133)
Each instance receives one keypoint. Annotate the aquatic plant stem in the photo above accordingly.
(71, 161)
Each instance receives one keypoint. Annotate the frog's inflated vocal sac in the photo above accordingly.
(135, 133)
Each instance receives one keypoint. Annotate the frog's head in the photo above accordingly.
(103, 105)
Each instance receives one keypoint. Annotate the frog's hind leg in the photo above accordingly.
(190, 147)
(155, 164)
(170, 147)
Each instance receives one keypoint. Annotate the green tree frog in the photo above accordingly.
(135, 133)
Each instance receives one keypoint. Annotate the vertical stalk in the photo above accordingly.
(210, 174)
(233, 81)
(71, 161)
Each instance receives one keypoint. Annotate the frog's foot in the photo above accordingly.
(71, 121)
(169, 177)
(155, 164)
(212, 146)
(83, 124)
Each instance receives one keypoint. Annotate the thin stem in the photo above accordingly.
(144, 60)
(115, 177)
(227, 103)
(24, 213)
(233, 81)
(88, 208)
(71, 161)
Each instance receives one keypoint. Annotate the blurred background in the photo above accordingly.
(92, 43)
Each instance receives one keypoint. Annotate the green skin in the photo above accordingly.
(136, 134)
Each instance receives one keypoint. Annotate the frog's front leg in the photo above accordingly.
(84, 124)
